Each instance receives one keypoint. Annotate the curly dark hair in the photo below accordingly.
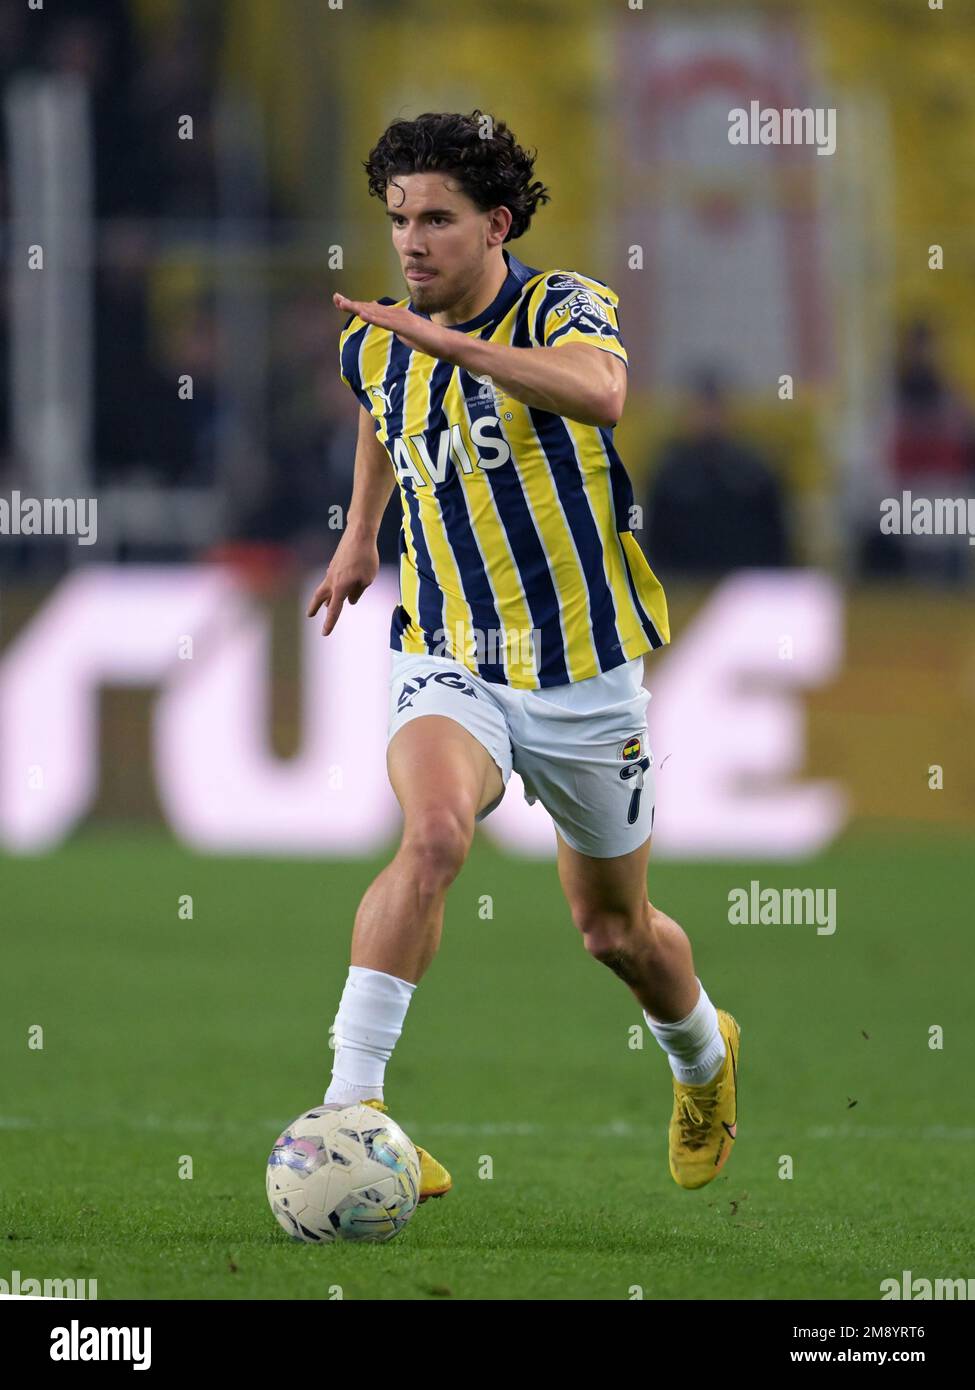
(493, 170)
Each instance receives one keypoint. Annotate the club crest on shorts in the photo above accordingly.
(631, 749)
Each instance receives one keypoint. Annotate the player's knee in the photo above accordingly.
(654, 917)
(436, 844)
(607, 934)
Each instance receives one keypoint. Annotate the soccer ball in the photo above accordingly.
(349, 1174)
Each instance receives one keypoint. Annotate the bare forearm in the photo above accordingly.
(372, 488)
(566, 380)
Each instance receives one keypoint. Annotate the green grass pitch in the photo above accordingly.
(166, 1037)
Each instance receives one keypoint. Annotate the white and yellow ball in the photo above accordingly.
(349, 1174)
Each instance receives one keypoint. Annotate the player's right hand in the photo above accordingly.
(353, 567)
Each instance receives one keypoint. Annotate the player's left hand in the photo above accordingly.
(415, 331)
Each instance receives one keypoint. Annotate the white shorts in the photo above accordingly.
(580, 749)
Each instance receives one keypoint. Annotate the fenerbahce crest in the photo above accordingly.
(631, 749)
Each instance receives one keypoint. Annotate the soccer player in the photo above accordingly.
(526, 608)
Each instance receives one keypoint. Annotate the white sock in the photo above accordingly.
(367, 1027)
(694, 1045)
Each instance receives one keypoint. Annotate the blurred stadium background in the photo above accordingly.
(210, 258)
(193, 175)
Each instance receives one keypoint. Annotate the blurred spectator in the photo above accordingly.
(713, 504)
(313, 428)
(137, 99)
(175, 80)
(186, 449)
(124, 416)
(141, 423)
(313, 463)
(933, 431)
(14, 41)
(93, 40)
(932, 456)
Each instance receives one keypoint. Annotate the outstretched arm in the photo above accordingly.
(578, 381)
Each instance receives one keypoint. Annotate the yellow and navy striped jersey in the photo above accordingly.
(516, 553)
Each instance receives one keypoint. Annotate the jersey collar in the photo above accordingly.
(518, 276)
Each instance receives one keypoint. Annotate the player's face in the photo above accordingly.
(441, 238)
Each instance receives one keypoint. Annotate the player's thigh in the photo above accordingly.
(595, 887)
(448, 741)
(435, 764)
(594, 776)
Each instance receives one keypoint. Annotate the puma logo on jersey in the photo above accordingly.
(383, 395)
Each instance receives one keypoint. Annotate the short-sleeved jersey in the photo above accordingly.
(516, 553)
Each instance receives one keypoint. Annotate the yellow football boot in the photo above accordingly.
(435, 1181)
(704, 1125)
